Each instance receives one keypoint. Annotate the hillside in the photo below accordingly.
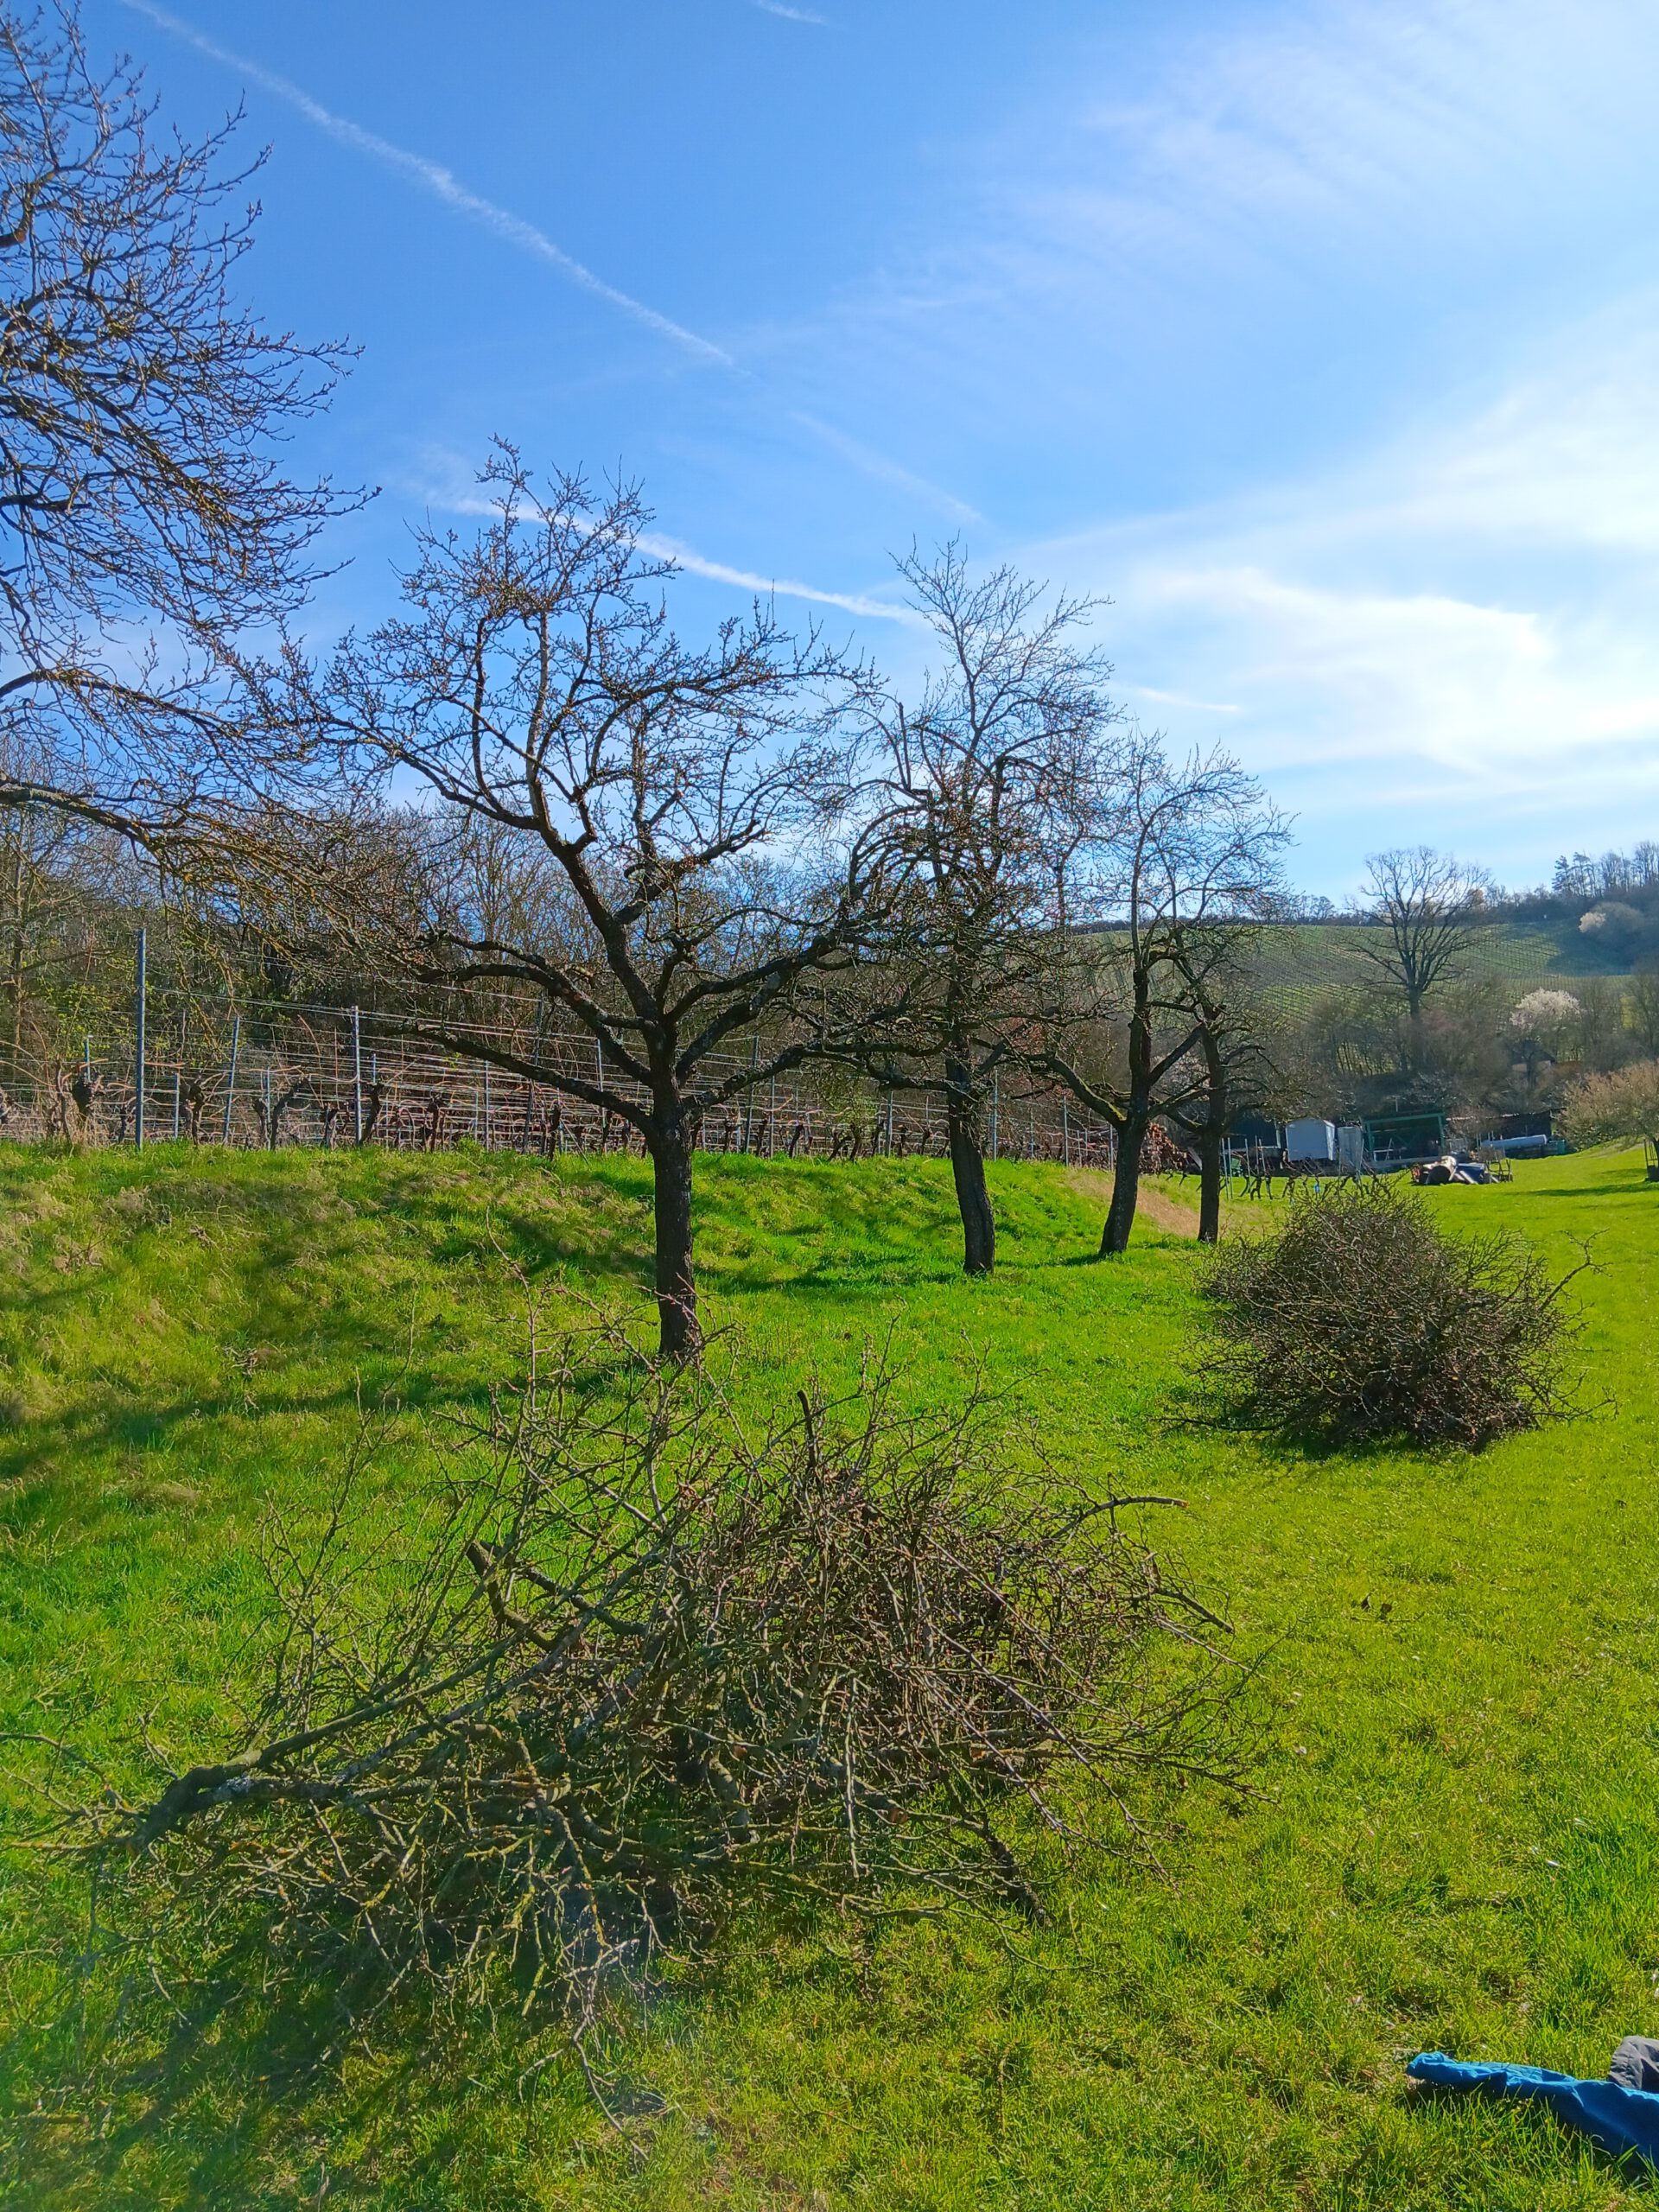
(1302, 962)
(1454, 1841)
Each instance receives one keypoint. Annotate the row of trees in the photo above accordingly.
(996, 883)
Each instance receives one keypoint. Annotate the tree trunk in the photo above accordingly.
(19, 922)
(968, 1171)
(679, 1337)
(1210, 1141)
(1126, 1186)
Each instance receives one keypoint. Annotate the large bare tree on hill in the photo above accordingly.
(1427, 902)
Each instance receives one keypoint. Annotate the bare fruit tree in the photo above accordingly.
(1212, 969)
(681, 815)
(990, 784)
(1427, 902)
(1618, 1108)
(147, 529)
(1190, 853)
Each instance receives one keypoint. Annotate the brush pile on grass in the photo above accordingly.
(643, 1666)
(1359, 1320)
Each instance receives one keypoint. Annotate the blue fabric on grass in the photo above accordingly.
(1619, 2119)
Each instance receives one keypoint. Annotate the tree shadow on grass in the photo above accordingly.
(287, 1304)
(215, 2095)
(118, 1422)
(1603, 1190)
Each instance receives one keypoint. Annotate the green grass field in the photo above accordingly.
(1455, 1841)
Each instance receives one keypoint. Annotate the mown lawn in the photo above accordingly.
(1456, 1842)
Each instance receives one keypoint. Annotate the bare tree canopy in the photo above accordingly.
(990, 785)
(146, 525)
(1231, 1023)
(1189, 859)
(1621, 1107)
(653, 838)
(1426, 900)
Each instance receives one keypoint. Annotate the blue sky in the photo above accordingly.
(1323, 338)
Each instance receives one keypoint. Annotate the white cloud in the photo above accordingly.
(1567, 457)
(1466, 607)
(1355, 115)
(1179, 699)
(1421, 686)
(439, 180)
(1385, 268)
(1369, 667)
(790, 15)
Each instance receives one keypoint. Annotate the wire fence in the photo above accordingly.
(267, 1075)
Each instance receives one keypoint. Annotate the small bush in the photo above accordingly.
(1358, 1320)
(645, 1664)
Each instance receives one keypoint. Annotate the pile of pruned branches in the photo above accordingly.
(642, 1664)
(1359, 1320)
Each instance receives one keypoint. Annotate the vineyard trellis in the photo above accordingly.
(267, 1074)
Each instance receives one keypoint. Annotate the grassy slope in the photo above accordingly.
(1456, 1846)
(1306, 962)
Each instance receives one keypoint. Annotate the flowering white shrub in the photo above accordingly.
(1542, 1011)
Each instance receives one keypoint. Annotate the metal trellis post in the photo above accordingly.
(138, 1055)
(230, 1087)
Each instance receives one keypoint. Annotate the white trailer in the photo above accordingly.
(1309, 1140)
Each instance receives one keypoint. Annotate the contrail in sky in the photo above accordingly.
(441, 491)
(439, 180)
(697, 564)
